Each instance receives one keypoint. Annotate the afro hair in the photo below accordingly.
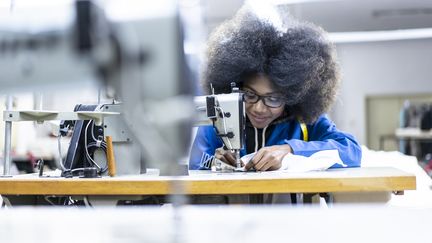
(298, 59)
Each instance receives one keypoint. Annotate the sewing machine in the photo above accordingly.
(226, 113)
(139, 61)
(87, 151)
(135, 53)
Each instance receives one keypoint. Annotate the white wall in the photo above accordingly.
(379, 68)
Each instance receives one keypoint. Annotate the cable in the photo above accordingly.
(102, 145)
(224, 125)
(95, 145)
(86, 149)
(87, 202)
(61, 200)
(49, 201)
(92, 133)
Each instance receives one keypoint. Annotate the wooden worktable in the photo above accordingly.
(206, 182)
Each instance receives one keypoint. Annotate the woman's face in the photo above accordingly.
(269, 105)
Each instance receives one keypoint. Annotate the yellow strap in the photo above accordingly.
(304, 131)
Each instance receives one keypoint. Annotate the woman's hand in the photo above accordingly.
(226, 156)
(269, 158)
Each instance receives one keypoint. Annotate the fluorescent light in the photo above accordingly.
(387, 35)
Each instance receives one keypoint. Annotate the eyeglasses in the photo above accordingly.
(268, 100)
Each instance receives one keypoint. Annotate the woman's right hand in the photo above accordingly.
(226, 156)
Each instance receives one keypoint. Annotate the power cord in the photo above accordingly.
(89, 149)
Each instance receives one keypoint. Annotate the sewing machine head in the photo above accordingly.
(135, 53)
(229, 119)
(226, 113)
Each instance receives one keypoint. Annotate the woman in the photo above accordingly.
(289, 75)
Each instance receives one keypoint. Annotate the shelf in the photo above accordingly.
(43, 115)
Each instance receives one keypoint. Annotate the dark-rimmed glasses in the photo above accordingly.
(268, 100)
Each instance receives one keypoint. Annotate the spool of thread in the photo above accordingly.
(110, 157)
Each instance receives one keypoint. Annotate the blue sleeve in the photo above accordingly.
(323, 135)
(203, 148)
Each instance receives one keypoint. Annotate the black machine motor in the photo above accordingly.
(86, 139)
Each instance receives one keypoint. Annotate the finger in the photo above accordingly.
(221, 158)
(272, 162)
(263, 161)
(230, 158)
(268, 165)
(258, 156)
(266, 162)
(260, 164)
(255, 159)
(249, 165)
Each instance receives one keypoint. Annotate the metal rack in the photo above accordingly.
(40, 116)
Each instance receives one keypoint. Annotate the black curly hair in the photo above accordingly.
(298, 59)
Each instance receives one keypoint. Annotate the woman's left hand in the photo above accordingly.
(269, 158)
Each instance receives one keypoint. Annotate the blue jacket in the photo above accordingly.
(322, 135)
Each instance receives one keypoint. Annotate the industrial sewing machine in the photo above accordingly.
(226, 113)
(134, 50)
(88, 149)
(139, 61)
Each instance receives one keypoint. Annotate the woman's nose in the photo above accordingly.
(260, 107)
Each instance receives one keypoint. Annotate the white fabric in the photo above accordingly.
(321, 160)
